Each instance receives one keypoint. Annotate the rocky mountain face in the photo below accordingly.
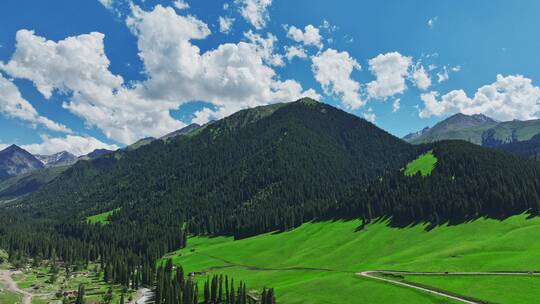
(56, 159)
(15, 161)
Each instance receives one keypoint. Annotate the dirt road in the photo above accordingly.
(6, 277)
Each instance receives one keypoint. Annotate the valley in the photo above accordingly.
(289, 203)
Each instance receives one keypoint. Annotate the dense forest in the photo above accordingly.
(259, 170)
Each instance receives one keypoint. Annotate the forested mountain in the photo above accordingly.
(478, 129)
(15, 161)
(529, 148)
(468, 182)
(260, 169)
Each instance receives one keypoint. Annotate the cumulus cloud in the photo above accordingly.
(77, 145)
(265, 48)
(420, 78)
(181, 4)
(255, 11)
(390, 70)
(310, 35)
(333, 69)
(295, 51)
(508, 98)
(225, 24)
(13, 105)
(231, 77)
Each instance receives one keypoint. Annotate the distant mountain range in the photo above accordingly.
(22, 173)
(56, 159)
(482, 130)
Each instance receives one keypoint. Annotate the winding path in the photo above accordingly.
(7, 279)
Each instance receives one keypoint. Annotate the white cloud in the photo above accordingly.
(255, 11)
(508, 98)
(3, 146)
(203, 116)
(225, 24)
(231, 77)
(107, 3)
(431, 22)
(328, 27)
(333, 69)
(78, 67)
(421, 78)
(396, 105)
(442, 75)
(13, 105)
(370, 116)
(390, 70)
(295, 51)
(181, 4)
(77, 145)
(457, 68)
(310, 35)
(265, 48)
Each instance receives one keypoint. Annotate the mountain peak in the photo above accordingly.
(468, 120)
(56, 159)
(14, 161)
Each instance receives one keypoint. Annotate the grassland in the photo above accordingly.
(424, 164)
(493, 289)
(102, 218)
(270, 259)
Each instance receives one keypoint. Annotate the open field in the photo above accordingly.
(102, 218)
(334, 251)
(424, 164)
(494, 289)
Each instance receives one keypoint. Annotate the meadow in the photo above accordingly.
(318, 262)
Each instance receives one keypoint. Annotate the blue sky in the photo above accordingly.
(79, 75)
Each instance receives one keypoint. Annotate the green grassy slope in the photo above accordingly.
(424, 164)
(493, 289)
(482, 245)
(102, 218)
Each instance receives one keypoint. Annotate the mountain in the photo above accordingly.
(15, 161)
(185, 130)
(412, 136)
(528, 148)
(467, 182)
(458, 126)
(95, 154)
(141, 142)
(260, 169)
(57, 159)
(29, 182)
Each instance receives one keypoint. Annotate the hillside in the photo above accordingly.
(264, 172)
(478, 129)
(319, 260)
(15, 161)
(297, 157)
(466, 182)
